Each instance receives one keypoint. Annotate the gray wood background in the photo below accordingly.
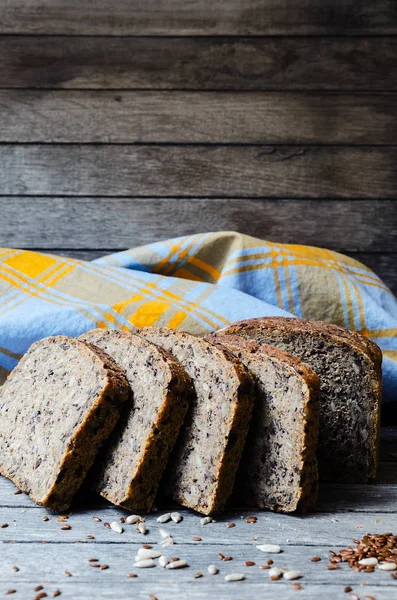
(125, 122)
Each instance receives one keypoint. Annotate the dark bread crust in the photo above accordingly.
(215, 489)
(354, 342)
(143, 472)
(304, 497)
(85, 440)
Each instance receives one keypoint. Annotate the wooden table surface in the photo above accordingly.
(44, 553)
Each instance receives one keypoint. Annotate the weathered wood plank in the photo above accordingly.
(208, 117)
(119, 223)
(278, 63)
(199, 171)
(224, 17)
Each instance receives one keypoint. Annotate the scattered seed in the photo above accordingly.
(275, 572)
(164, 533)
(270, 561)
(164, 518)
(251, 520)
(387, 566)
(10, 592)
(132, 575)
(270, 548)
(122, 520)
(353, 597)
(97, 519)
(92, 560)
(369, 598)
(132, 519)
(234, 577)
(17, 492)
(250, 563)
(38, 588)
(205, 520)
(16, 569)
(332, 567)
(145, 563)
(115, 526)
(227, 558)
(177, 564)
(57, 593)
(292, 575)
(142, 528)
(372, 561)
(90, 537)
(316, 559)
(264, 567)
(40, 595)
(66, 527)
(152, 597)
(175, 558)
(348, 589)
(107, 525)
(212, 570)
(68, 574)
(104, 567)
(147, 546)
(296, 586)
(176, 517)
(95, 565)
(45, 518)
(195, 538)
(221, 556)
(163, 561)
(3, 527)
(147, 553)
(197, 575)
(230, 525)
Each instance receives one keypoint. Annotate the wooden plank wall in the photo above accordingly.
(125, 122)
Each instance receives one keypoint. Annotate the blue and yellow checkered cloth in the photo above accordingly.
(199, 283)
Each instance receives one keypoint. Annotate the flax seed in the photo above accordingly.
(107, 525)
(332, 567)
(221, 556)
(17, 492)
(147, 546)
(227, 558)
(132, 575)
(3, 527)
(348, 589)
(198, 575)
(10, 592)
(38, 588)
(97, 519)
(249, 563)
(16, 569)
(296, 586)
(270, 561)
(40, 595)
(68, 574)
(92, 560)
(264, 567)
(90, 537)
(57, 593)
(104, 567)
(45, 518)
(230, 525)
(316, 559)
(152, 597)
(251, 520)
(66, 527)
(195, 538)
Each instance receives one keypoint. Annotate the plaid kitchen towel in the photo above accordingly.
(199, 283)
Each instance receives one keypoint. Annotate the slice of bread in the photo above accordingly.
(206, 458)
(137, 453)
(57, 406)
(278, 470)
(349, 367)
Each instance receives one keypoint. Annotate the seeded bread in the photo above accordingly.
(278, 470)
(207, 455)
(57, 406)
(349, 366)
(133, 462)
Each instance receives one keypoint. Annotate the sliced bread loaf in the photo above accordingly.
(57, 406)
(349, 367)
(278, 470)
(207, 455)
(137, 453)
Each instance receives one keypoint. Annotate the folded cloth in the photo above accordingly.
(199, 283)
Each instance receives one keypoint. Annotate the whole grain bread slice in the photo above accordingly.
(349, 367)
(208, 452)
(57, 407)
(278, 470)
(132, 463)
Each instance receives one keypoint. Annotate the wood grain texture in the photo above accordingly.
(205, 117)
(224, 17)
(199, 171)
(199, 63)
(119, 223)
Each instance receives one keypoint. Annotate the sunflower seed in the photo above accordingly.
(205, 521)
(368, 561)
(164, 533)
(275, 572)
(145, 553)
(145, 563)
(387, 566)
(163, 561)
(270, 548)
(142, 528)
(115, 526)
(164, 518)
(132, 519)
(176, 517)
(212, 570)
(177, 564)
(292, 575)
(234, 577)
